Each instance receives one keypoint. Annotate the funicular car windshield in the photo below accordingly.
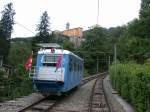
(51, 60)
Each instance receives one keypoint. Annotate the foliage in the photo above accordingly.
(140, 27)
(6, 28)
(116, 33)
(4, 44)
(60, 39)
(145, 9)
(22, 39)
(96, 42)
(43, 29)
(86, 74)
(19, 53)
(68, 45)
(134, 48)
(7, 20)
(135, 43)
(132, 81)
(43, 35)
(15, 85)
(95, 37)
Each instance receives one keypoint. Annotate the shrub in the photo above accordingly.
(132, 81)
(16, 85)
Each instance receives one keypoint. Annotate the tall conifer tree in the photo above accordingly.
(6, 28)
(43, 28)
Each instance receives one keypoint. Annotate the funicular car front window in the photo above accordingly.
(50, 60)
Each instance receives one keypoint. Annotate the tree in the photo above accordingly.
(135, 44)
(115, 33)
(133, 48)
(145, 9)
(7, 20)
(68, 45)
(21, 48)
(6, 28)
(145, 18)
(96, 41)
(140, 27)
(43, 35)
(43, 29)
(3, 44)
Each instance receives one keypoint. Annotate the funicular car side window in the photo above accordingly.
(70, 64)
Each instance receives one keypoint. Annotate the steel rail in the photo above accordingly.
(103, 105)
(55, 102)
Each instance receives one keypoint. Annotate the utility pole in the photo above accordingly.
(98, 13)
(115, 58)
(108, 62)
(1, 61)
(97, 65)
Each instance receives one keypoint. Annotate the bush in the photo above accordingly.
(16, 85)
(132, 81)
(85, 74)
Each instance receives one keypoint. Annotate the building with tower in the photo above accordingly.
(75, 34)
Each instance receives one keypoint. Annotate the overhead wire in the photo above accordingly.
(21, 25)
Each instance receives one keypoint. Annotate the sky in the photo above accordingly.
(79, 13)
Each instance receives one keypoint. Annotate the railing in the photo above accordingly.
(33, 72)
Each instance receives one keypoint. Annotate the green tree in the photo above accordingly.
(115, 33)
(21, 48)
(68, 45)
(96, 41)
(4, 44)
(43, 29)
(6, 27)
(145, 17)
(140, 27)
(135, 43)
(7, 20)
(133, 48)
(145, 9)
(43, 35)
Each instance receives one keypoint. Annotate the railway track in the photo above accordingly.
(98, 101)
(42, 105)
(47, 103)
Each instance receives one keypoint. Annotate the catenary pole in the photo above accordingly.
(98, 13)
(115, 58)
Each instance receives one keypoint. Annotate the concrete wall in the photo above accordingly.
(117, 104)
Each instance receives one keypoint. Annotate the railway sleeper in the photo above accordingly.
(100, 110)
(40, 107)
(63, 110)
(99, 104)
(98, 92)
(98, 98)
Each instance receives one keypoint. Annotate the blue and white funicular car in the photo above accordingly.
(56, 70)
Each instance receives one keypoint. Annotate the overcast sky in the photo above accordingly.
(79, 13)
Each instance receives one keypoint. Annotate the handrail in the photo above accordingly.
(32, 72)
